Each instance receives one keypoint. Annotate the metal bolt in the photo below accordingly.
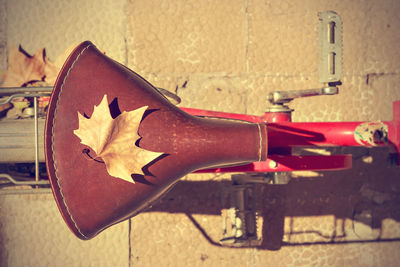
(273, 164)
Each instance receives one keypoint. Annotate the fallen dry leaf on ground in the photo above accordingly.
(37, 70)
(24, 68)
(113, 140)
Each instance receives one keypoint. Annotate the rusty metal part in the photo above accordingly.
(371, 133)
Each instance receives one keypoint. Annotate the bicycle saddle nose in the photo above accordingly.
(91, 200)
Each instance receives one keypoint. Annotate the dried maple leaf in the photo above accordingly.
(24, 68)
(113, 140)
(36, 70)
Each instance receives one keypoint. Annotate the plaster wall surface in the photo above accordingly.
(227, 56)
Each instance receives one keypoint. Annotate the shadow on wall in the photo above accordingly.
(368, 193)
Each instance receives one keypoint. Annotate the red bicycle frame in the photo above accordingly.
(283, 135)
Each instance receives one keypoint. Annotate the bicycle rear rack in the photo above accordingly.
(17, 183)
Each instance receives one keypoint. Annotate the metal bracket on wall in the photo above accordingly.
(329, 64)
(330, 47)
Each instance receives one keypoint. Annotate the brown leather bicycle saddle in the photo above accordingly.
(90, 199)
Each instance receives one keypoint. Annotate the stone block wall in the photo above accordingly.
(227, 56)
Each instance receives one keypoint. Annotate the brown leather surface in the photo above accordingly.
(89, 199)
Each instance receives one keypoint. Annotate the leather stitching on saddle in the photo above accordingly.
(261, 142)
(52, 141)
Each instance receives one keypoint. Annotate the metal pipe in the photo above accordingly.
(25, 191)
(11, 97)
(21, 90)
(21, 181)
(35, 107)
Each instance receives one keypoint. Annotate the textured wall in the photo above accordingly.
(3, 35)
(56, 25)
(227, 56)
